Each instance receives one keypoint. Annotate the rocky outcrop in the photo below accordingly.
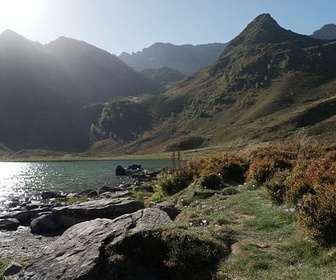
(12, 268)
(166, 206)
(327, 32)
(9, 224)
(45, 223)
(100, 208)
(80, 253)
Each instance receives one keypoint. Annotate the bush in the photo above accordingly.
(318, 214)
(277, 187)
(263, 169)
(172, 252)
(174, 182)
(231, 167)
(212, 181)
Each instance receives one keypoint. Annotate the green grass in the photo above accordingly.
(266, 241)
(3, 265)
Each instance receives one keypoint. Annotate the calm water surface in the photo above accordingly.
(29, 178)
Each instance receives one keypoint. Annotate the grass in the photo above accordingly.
(266, 240)
(3, 265)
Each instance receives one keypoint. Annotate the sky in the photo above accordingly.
(131, 25)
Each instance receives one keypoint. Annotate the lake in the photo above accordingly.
(28, 178)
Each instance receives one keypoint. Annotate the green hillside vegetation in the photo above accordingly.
(268, 84)
(270, 210)
(164, 76)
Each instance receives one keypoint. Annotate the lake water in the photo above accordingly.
(29, 178)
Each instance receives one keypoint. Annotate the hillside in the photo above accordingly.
(97, 74)
(186, 59)
(43, 90)
(268, 85)
(38, 102)
(164, 76)
(326, 32)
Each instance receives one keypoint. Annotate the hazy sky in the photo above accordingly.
(131, 25)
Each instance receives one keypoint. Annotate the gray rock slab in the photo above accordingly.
(77, 254)
(100, 208)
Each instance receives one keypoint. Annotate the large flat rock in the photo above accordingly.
(78, 253)
(101, 208)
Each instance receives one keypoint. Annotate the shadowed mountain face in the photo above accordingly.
(38, 102)
(43, 89)
(186, 59)
(97, 74)
(268, 84)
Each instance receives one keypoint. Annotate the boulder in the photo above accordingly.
(80, 253)
(166, 206)
(9, 224)
(45, 223)
(100, 208)
(25, 216)
(105, 189)
(51, 194)
(12, 268)
(120, 171)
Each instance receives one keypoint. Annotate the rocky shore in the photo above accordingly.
(76, 226)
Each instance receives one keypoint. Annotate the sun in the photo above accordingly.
(18, 13)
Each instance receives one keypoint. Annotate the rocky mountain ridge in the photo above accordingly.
(326, 32)
(186, 59)
(266, 86)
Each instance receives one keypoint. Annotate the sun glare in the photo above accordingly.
(18, 13)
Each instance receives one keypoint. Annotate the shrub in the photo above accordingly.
(174, 182)
(318, 214)
(277, 187)
(298, 183)
(212, 181)
(231, 167)
(262, 169)
(172, 252)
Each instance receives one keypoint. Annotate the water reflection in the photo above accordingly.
(29, 178)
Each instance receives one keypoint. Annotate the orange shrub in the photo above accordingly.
(318, 214)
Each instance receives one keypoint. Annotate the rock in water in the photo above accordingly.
(78, 253)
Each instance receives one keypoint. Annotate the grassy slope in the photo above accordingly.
(267, 241)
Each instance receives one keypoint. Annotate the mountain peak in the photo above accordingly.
(9, 34)
(264, 30)
(264, 21)
(327, 32)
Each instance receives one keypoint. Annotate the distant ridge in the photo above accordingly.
(186, 59)
(326, 32)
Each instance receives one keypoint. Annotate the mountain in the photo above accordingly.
(38, 102)
(43, 90)
(269, 84)
(326, 32)
(97, 74)
(164, 76)
(186, 59)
